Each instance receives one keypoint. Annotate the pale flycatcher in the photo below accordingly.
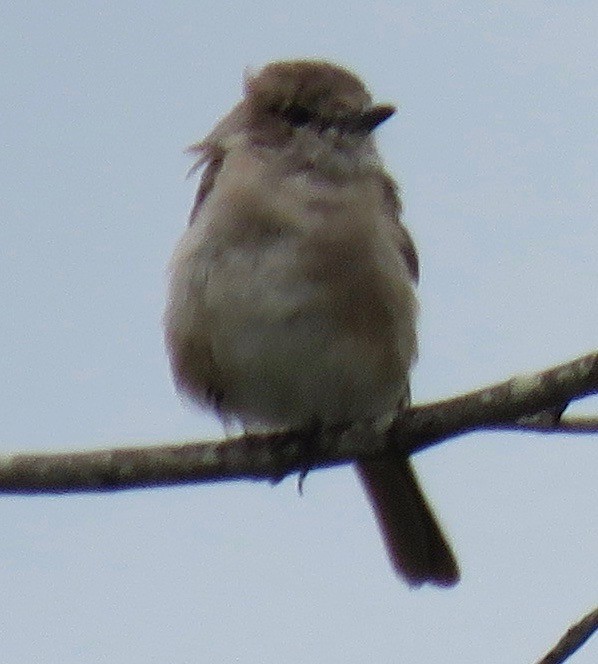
(291, 301)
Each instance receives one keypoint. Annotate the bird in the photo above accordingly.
(291, 295)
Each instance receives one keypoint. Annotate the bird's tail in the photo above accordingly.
(414, 540)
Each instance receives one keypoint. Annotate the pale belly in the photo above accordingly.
(292, 315)
(287, 355)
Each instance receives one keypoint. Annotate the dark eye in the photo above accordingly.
(297, 116)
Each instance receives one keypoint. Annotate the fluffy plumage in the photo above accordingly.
(292, 291)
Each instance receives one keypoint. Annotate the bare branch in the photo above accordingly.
(573, 640)
(579, 425)
(507, 405)
(503, 406)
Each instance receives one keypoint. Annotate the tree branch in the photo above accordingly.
(531, 402)
(573, 640)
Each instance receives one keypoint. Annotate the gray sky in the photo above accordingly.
(495, 147)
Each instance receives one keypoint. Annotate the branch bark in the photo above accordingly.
(573, 640)
(532, 402)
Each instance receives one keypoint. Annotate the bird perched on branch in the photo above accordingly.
(291, 299)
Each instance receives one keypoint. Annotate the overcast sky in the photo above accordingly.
(495, 147)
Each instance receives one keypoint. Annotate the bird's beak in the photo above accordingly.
(368, 120)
